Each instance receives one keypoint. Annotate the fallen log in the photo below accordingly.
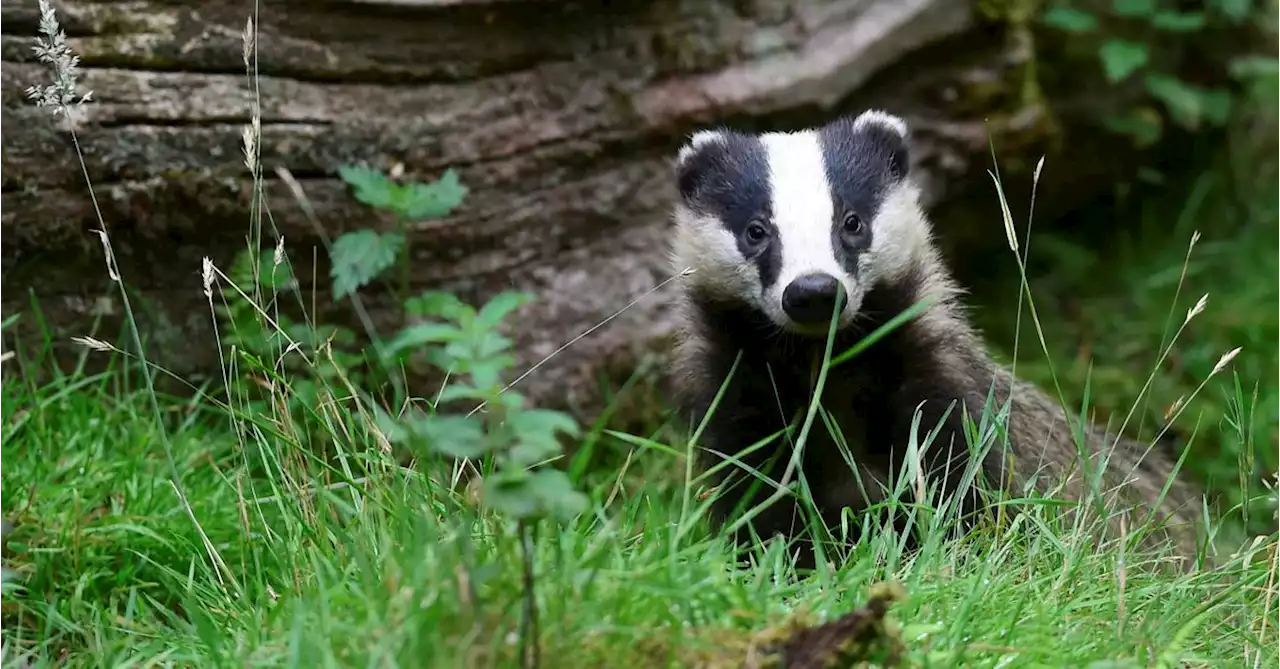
(560, 117)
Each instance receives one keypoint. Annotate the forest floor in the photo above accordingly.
(278, 557)
(267, 568)
(146, 530)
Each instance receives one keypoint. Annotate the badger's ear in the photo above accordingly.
(888, 134)
(695, 160)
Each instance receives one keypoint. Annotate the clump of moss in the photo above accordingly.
(864, 637)
(860, 638)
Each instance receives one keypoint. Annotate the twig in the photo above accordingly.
(529, 646)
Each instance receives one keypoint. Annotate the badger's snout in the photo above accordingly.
(811, 299)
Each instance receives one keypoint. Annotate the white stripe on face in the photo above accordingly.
(803, 213)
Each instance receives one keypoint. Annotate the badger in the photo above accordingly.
(783, 238)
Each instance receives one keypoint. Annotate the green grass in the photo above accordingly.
(399, 571)
(1110, 309)
(216, 536)
(287, 557)
(311, 543)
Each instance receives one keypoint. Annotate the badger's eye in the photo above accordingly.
(852, 223)
(756, 233)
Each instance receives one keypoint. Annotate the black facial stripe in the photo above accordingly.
(861, 166)
(770, 262)
(728, 178)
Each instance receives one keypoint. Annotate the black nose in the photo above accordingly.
(810, 299)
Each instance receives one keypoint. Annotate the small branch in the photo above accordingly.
(529, 646)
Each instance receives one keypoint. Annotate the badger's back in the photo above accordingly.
(1123, 479)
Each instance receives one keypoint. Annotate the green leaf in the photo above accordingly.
(536, 432)
(420, 334)
(456, 436)
(1185, 103)
(1249, 67)
(497, 308)
(433, 200)
(525, 494)
(436, 303)
(1143, 125)
(360, 256)
(511, 400)
(486, 373)
(1121, 58)
(305, 393)
(272, 276)
(1178, 22)
(1236, 10)
(546, 422)
(1215, 105)
(530, 453)
(509, 492)
(489, 343)
(1134, 7)
(1069, 19)
(459, 391)
(459, 354)
(555, 493)
(371, 186)
(438, 358)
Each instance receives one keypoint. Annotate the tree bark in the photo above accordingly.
(561, 118)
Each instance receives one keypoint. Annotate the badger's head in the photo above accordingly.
(797, 225)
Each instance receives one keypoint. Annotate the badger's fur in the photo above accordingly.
(776, 228)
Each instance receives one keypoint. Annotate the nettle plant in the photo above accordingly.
(443, 332)
(328, 352)
(466, 344)
(515, 446)
(516, 443)
(1149, 26)
(360, 256)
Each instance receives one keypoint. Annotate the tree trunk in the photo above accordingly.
(560, 117)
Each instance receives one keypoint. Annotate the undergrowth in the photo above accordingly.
(1110, 326)
(293, 517)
